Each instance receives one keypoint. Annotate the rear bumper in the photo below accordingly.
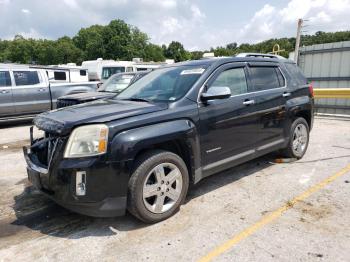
(106, 185)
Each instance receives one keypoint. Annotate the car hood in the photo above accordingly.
(62, 121)
(88, 96)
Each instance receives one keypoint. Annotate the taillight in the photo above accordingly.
(311, 90)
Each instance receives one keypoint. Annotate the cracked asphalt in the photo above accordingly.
(32, 227)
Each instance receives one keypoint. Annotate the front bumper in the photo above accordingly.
(106, 183)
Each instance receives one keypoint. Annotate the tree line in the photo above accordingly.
(120, 41)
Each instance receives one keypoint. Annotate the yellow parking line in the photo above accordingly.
(270, 217)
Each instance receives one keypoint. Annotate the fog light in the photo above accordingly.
(80, 183)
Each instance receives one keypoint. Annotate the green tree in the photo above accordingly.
(176, 51)
(231, 46)
(117, 40)
(153, 53)
(46, 52)
(195, 55)
(66, 51)
(21, 50)
(138, 45)
(90, 40)
(4, 50)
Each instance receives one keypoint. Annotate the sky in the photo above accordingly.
(197, 24)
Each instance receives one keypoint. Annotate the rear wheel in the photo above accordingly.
(158, 186)
(299, 139)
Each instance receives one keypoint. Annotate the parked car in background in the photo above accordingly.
(178, 124)
(25, 91)
(114, 85)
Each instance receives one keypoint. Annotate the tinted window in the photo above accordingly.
(60, 75)
(234, 79)
(280, 77)
(83, 72)
(5, 79)
(264, 78)
(296, 73)
(23, 78)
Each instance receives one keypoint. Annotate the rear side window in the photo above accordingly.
(83, 72)
(234, 79)
(280, 77)
(5, 79)
(58, 75)
(296, 73)
(264, 78)
(23, 78)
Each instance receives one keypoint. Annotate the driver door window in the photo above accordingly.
(234, 79)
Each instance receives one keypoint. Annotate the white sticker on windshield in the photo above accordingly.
(193, 71)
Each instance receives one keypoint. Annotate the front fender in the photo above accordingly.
(127, 144)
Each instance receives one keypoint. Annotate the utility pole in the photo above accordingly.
(297, 42)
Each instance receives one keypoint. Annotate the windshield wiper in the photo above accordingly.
(137, 99)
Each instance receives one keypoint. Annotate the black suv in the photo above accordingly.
(142, 149)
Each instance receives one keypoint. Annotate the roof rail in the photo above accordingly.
(260, 55)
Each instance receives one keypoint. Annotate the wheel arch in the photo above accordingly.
(178, 136)
(306, 114)
(301, 107)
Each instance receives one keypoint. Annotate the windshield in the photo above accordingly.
(165, 84)
(108, 71)
(116, 83)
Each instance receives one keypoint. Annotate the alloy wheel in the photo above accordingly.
(300, 138)
(162, 187)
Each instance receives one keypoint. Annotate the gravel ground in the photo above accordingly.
(32, 227)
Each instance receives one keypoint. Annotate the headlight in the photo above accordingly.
(87, 140)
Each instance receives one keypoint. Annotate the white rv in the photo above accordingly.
(101, 70)
(64, 73)
(116, 67)
(94, 68)
(127, 66)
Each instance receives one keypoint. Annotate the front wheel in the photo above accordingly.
(299, 139)
(158, 186)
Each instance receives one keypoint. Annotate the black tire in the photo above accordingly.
(143, 166)
(289, 151)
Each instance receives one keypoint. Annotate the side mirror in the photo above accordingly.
(216, 92)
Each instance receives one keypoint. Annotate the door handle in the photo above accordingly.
(41, 89)
(249, 102)
(286, 94)
(5, 91)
